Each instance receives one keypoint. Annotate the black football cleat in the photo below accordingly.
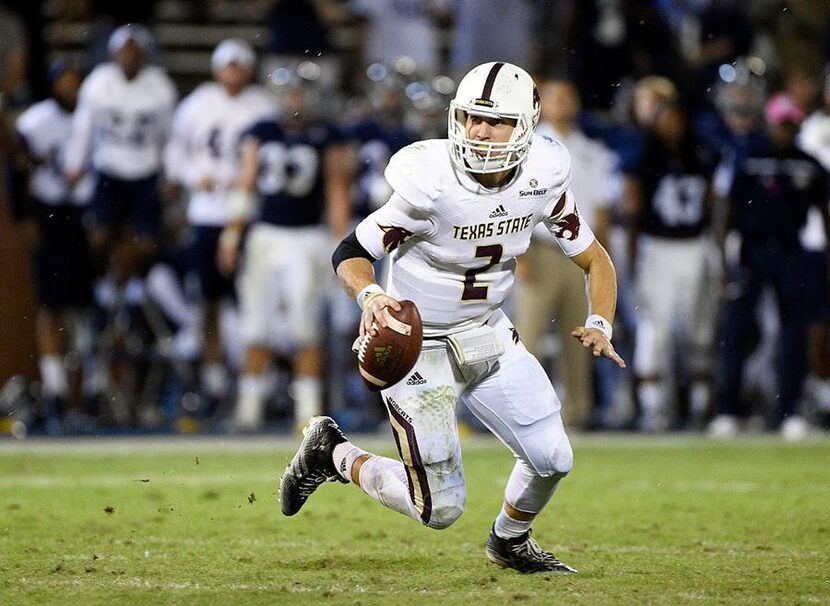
(523, 554)
(312, 465)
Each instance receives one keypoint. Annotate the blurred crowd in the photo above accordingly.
(179, 232)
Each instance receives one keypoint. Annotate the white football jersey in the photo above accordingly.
(205, 141)
(814, 138)
(122, 124)
(454, 242)
(45, 127)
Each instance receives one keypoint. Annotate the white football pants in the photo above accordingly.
(512, 396)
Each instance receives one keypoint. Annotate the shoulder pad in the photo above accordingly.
(417, 171)
(160, 81)
(34, 116)
(99, 78)
(550, 163)
(553, 158)
(204, 89)
(201, 95)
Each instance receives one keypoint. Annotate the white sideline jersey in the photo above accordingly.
(122, 124)
(454, 242)
(205, 141)
(814, 138)
(45, 127)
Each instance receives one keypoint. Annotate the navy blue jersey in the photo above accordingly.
(290, 182)
(675, 184)
(376, 145)
(772, 192)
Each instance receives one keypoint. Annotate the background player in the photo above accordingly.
(294, 175)
(457, 264)
(56, 233)
(772, 192)
(204, 154)
(667, 201)
(120, 128)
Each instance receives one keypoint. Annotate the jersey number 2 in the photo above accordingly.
(479, 293)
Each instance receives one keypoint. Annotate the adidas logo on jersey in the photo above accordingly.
(416, 379)
(499, 212)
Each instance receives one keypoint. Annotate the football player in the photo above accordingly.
(120, 128)
(294, 175)
(203, 154)
(60, 245)
(774, 187)
(462, 210)
(668, 201)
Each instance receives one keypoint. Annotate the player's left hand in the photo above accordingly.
(598, 343)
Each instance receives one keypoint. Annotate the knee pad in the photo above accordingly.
(556, 462)
(447, 507)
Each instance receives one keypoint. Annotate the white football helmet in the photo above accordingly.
(500, 90)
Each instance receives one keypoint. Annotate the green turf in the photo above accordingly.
(645, 521)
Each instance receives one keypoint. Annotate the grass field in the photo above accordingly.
(645, 521)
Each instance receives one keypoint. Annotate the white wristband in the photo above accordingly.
(601, 324)
(241, 204)
(368, 293)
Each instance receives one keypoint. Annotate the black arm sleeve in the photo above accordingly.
(350, 248)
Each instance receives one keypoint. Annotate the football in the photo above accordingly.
(387, 356)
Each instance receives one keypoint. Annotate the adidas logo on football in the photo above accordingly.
(416, 379)
(499, 212)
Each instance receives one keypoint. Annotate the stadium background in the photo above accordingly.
(604, 48)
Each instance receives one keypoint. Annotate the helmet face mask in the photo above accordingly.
(500, 91)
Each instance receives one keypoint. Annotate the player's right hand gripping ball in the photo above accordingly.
(387, 356)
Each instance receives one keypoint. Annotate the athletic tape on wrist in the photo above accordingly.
(367, 294)
(241, 204)
(601, 324)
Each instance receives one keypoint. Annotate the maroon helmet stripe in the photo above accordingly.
(417, 464)
(491, 80)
